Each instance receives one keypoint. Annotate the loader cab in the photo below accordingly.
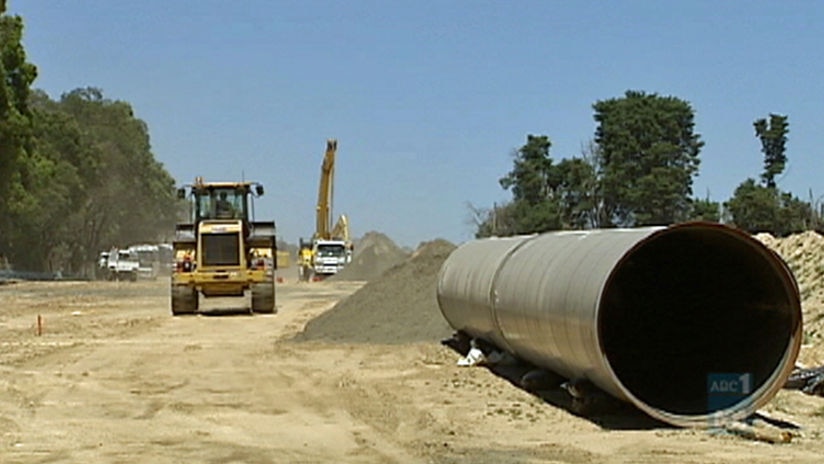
(221, 201)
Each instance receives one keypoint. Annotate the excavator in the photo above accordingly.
(330, 249)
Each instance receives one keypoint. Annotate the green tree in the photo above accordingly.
(533, 209)
(648, 156)
(16, 77)
(705, 210)
(773, 136)
(529, 178)
(794, 215)
(44, 214)
(757, 208)
(130, 196)
(754, 208)
(765, 208)
(87, 181)
(76, 175)
(573, 184)
(545, 195)
(496, 221)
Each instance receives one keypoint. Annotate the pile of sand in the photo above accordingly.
(804, 253)
(374, 254)
(398, 307)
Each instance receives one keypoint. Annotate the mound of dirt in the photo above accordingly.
(398, 307)
(804, 253)
(374, 254)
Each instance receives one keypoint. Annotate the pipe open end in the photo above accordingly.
(700, 320)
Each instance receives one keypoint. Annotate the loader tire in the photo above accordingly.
(184, 300)
(263, 298)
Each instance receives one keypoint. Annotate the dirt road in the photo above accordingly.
(114, 378)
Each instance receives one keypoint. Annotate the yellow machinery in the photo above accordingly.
(221, 251)
(323, 216)
(305, 260)
(283, 259)
(331, 247)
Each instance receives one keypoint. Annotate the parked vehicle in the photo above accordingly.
(122, 264)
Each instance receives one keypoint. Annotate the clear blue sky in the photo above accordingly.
(428, 99)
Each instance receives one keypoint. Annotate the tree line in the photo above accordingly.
(638, 170)
(77, 174)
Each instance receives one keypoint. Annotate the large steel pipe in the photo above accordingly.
(654, 316)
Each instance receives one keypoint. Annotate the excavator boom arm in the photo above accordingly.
(341, 229)
(323, 218)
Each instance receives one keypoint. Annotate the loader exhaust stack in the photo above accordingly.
(695, 324)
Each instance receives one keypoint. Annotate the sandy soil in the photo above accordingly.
(115, 378)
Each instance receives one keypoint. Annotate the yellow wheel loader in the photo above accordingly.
(221, 252)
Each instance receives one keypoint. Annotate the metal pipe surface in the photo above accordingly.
(696, 324)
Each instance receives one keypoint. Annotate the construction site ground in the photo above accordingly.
(114, 378)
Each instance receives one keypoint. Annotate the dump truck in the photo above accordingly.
(222, 251)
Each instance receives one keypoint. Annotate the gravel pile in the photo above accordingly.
(398, 307)
(374, 254)
(804, 253)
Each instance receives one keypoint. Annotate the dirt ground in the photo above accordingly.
(115, 378)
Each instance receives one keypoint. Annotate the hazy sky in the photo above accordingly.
(428, 99)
